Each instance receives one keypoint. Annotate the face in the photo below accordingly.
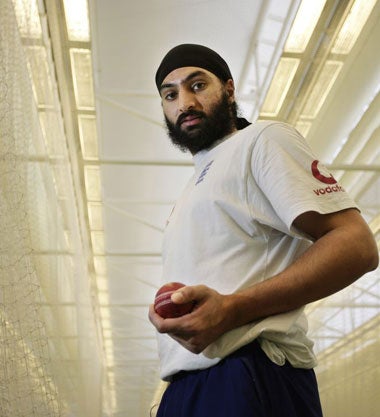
(199, 108)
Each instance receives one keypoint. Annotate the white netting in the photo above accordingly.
(50, 363)
(345, 328)
(26, 384)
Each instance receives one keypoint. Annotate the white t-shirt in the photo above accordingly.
(232, 228)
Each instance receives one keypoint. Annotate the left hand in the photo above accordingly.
(210, 318)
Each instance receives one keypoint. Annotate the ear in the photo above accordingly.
(230, 89)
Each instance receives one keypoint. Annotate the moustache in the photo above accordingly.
(189, 113)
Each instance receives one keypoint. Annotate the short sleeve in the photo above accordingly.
(291, 177)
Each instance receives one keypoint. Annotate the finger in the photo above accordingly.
(188, 294)
(165, 325)
(188, 343)
(179, 296)
(154, 317)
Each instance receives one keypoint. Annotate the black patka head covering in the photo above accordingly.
(191, 55)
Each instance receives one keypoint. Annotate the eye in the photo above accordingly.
(198, 85)
(169, 95)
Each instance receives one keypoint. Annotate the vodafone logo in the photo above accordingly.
(320, 176)
(325, 177)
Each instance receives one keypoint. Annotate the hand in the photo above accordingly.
(210, 318)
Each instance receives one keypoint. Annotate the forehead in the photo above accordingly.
(179, 75)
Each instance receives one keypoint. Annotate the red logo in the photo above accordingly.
(321, 177)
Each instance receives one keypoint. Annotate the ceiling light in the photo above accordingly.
(103, 298)
(97, 240)
(106, 317)
(304, 25)
(95, 215)
(321, 88)
(100, 265)
(102, 283)
(88, 136)
(109, 350)
(107, 333)
(280, 85)
(78, 26)
(108, 343)
(352, 26)
(111, 378)
(92, 183)
(81, 67)
(113, 399)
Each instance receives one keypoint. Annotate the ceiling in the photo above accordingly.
(127, 183)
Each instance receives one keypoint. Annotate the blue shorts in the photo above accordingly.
(244, 384)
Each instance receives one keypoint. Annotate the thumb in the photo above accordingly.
(179, 296)
(188, 294)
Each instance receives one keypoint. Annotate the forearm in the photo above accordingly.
(333, 262)
(343, 251)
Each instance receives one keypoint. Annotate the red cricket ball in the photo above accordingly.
(164, 306)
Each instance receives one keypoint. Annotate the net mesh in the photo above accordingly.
(345, 328)
(50, 360)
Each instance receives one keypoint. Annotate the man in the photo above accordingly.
(260, 230)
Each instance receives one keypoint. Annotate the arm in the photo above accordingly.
(344, 249)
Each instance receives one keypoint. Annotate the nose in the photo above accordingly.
(186, 101)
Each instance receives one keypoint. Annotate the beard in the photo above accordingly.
(219, 123)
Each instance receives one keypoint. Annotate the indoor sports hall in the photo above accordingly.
(88, 179)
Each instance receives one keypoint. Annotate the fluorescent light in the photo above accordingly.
(109, 350)
(112, 393)
(88, 136)
(321, 88)
(100, 265)
(111, 377)
(106, 317)
(352, 26)
(78, 26)
(81, 67)
(110, 398)
(103, 298)
(102, 283)
(108, 343)
(304, 25)
(97, 240)
(92, 183)
(279, 87)
(107, 333)
(95, 215)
